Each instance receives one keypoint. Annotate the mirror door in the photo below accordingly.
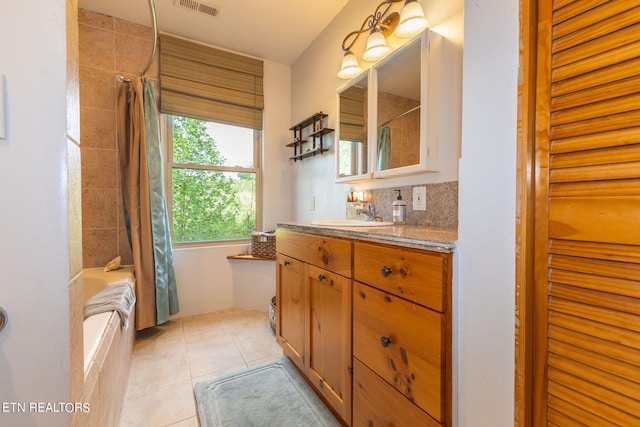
(398, 110)
(352, 153)
(400, 102)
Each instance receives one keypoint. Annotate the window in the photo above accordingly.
(214, 180)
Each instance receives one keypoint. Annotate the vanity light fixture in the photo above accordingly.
(412, 20)
(408, 23)
(377, 46)
(350, 66)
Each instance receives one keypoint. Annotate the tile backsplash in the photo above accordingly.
(441, 204)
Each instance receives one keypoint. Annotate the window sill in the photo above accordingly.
(250, 258)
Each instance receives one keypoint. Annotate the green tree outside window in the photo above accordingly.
(208, 204)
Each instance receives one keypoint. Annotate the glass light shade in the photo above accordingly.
(412, 20)
(376, 46)
(350, 66)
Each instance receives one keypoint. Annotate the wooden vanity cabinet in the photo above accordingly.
(401, 336)
(313, 294)
(369, 325)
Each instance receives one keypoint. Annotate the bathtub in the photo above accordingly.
(96, 328)
(107, 351)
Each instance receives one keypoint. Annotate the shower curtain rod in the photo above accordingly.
(400, 115)
(154, 20)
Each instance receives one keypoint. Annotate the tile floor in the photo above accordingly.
(168, 360)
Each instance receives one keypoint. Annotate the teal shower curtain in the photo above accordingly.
(166, 292)
(384, 148)
(144, 204)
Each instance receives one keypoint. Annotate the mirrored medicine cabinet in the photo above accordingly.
(352, 153)
(387, 124)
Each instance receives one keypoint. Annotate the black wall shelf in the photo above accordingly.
(314, 144)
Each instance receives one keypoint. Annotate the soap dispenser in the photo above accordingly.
(399, 209)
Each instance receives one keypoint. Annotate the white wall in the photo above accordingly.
(484, 294)
(34, 241)
(315, 83)
(206, 279)
(487, 214)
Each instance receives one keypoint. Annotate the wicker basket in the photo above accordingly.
(263, 244)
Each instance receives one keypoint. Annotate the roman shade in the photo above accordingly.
(352, 114)
(210, 84)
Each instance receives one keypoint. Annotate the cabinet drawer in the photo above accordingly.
(376, 403)
(418, 276)
(325, 252)
(403, 343)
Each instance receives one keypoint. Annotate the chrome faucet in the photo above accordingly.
(370, 212)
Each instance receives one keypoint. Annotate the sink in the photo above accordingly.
(350, 223)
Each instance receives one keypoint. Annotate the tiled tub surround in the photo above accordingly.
(108, 47)
(441, 204)
(107, 354)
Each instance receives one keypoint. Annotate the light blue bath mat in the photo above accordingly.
(270, 394)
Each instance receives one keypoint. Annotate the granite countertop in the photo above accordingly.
(415, 236)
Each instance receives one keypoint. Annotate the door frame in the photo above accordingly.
(526, 173)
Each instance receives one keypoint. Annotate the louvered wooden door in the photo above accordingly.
(587, 262)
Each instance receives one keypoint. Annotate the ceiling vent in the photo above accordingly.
(199, 7)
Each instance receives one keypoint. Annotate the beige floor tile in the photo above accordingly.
(170, 359)
(259, 348)
(249, 326)
(201, 321)
(163, 347)
(205, 359)
(163, 406)
(171, 329)
(214, 335)
(149, 373)
(189, 422)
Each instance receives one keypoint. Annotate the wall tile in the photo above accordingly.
(98, 128)
(136, 30)
(76, 319)
(75, 208)
(132, 54)
(99, 246)
(97, 47)
(99, 168)
(97, 88)
(96, 19)
(73, 76)
(99, 208)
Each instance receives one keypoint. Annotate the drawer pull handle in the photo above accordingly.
(286, 262)
(386, 271)
(321, 277)
(385, 341)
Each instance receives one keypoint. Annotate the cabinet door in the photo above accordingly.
(290, 308)
(329, 339)
(403, 343)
